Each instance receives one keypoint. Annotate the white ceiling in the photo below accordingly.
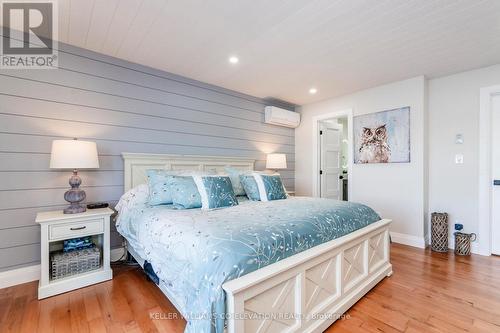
(287, 46)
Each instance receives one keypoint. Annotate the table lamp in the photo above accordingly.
(74, 154)
(276, 161)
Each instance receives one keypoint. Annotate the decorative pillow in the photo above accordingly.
(185, 193)
(160, 182)
(234, 175)
(250, 187)
(215, 191)
(270, 187)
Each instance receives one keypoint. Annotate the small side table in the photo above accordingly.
(57, 227)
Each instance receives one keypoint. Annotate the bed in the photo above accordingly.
(293, 265)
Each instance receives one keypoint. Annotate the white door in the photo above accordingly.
(330, 160)
(495, 214)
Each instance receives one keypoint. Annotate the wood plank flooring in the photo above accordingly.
(428, 292)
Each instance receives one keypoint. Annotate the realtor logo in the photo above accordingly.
(29, 32)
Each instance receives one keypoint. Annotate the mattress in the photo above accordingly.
(194, 252)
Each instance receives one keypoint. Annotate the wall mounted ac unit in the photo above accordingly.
(281, 117)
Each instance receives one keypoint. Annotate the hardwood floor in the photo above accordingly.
(428, 292)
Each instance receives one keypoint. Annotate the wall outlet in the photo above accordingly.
(459, 139)
(459, 159)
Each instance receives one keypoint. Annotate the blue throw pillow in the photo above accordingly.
(185, 193)
(234, 175)
(270, 187)
(159, 183)
(215, 191)
(250, 186)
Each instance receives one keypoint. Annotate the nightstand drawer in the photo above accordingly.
(76, 229)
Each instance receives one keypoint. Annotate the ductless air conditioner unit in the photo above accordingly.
(281, 117)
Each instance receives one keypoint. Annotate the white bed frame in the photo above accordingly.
(306, 292)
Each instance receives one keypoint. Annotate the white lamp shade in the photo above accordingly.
(276, 161)
(73, 154)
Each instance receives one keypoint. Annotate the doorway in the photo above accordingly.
(332, 155)
(495, 174)
(489, 172)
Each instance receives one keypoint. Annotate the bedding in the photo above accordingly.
(195, 251)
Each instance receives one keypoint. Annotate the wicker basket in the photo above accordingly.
(65, 264)
(462, 243)
(439, 239)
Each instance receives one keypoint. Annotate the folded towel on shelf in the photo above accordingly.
(78, 244)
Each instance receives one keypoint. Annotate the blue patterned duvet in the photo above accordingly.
(194, 252)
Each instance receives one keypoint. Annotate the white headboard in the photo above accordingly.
(136, 165)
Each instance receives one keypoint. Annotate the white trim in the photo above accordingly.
(19, 275)
(485, 187)
(406, 239)
(315, 147)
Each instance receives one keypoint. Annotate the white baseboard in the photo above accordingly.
(32, 273)
(410, 240)
(19, 275)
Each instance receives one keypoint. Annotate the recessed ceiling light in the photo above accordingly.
(312, 91)
(234, 60)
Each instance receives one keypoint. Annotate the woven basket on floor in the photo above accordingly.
(462, 243)
(439, 232)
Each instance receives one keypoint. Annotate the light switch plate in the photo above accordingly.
(459, 159)
(459, 139)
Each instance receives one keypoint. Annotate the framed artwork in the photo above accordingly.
(382, 137)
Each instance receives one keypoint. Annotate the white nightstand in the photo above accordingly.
(57, 227)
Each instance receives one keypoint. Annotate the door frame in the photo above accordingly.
(315, 148)
(485, 186)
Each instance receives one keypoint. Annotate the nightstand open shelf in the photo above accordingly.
(57, 227)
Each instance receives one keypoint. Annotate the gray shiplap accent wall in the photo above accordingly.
(124, 107)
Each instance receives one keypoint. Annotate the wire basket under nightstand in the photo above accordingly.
(64, 264)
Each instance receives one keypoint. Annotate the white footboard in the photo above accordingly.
(310, 290)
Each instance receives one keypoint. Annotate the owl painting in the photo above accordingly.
(374, 147)
(382, 137)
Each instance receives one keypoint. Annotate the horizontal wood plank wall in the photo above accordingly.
(124, 107)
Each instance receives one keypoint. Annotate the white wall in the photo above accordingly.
(454, 109)
(395, 191)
